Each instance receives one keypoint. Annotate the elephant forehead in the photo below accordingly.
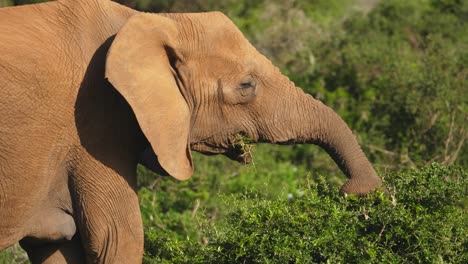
(223, 66)
(221, 35)
(230, 39)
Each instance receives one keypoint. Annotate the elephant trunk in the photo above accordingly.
(320, 125)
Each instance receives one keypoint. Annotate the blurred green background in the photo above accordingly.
(395, 70)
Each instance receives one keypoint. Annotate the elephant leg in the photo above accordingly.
(107, 214)
(66, 252)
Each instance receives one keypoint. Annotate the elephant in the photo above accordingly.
(89, 89)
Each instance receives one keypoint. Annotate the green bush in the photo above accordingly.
(421, 220)
(14, 254)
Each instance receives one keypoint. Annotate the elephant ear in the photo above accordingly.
(138, 65)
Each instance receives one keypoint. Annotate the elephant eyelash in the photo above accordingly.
(248, 84)
(245, 85)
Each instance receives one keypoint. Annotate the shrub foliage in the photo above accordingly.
(419, 220)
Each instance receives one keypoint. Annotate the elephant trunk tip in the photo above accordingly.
(363, 186)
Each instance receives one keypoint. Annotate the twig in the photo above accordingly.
(449, 137)
(379, 149)
(454, 155)
(381, 233)
(195, 208)
(154, 183)
(431, 122)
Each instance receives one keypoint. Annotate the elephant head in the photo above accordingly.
(195, 82)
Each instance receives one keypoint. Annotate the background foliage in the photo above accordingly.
(396, 71)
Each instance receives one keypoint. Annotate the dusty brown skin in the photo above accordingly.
(90, 88)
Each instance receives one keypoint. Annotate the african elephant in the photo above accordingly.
(89, 89)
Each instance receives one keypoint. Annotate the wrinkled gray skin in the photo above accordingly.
(90, 88)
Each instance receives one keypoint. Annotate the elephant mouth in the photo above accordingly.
(239, 149)
(240, 155)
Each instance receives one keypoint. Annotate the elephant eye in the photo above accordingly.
(248, 84)
(241, 93)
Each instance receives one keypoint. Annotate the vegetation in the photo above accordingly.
(420, 221)
(396, 71)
